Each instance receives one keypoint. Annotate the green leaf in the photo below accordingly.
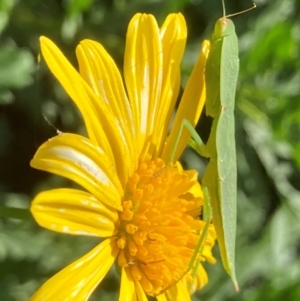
(16, 67)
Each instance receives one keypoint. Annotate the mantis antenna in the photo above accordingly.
(235, 14)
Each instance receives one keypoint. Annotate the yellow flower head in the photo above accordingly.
(144, 206)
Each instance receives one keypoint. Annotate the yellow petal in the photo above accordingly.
(78, 90)
(127, 289)
(200, 280)
(209, 243)
(75, 157)
(196, 189)
(141, 296)
(78, 280)
(162, 297)
(101, 73)
(74, 212)
(173, 35)
(177, 292)
(190, 106)
(143, 75)
(103, 127)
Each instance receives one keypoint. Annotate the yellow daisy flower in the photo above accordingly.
(144, 206)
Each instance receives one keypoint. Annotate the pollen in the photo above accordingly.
(159, 225)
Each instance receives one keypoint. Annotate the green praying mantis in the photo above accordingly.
(219, 181)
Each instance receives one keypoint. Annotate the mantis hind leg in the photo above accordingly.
(207, 217)
(197, 144)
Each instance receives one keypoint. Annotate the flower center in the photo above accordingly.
(160, 224)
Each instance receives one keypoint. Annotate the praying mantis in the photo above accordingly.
(219, 181)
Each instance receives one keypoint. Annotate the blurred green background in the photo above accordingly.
(267, 136)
